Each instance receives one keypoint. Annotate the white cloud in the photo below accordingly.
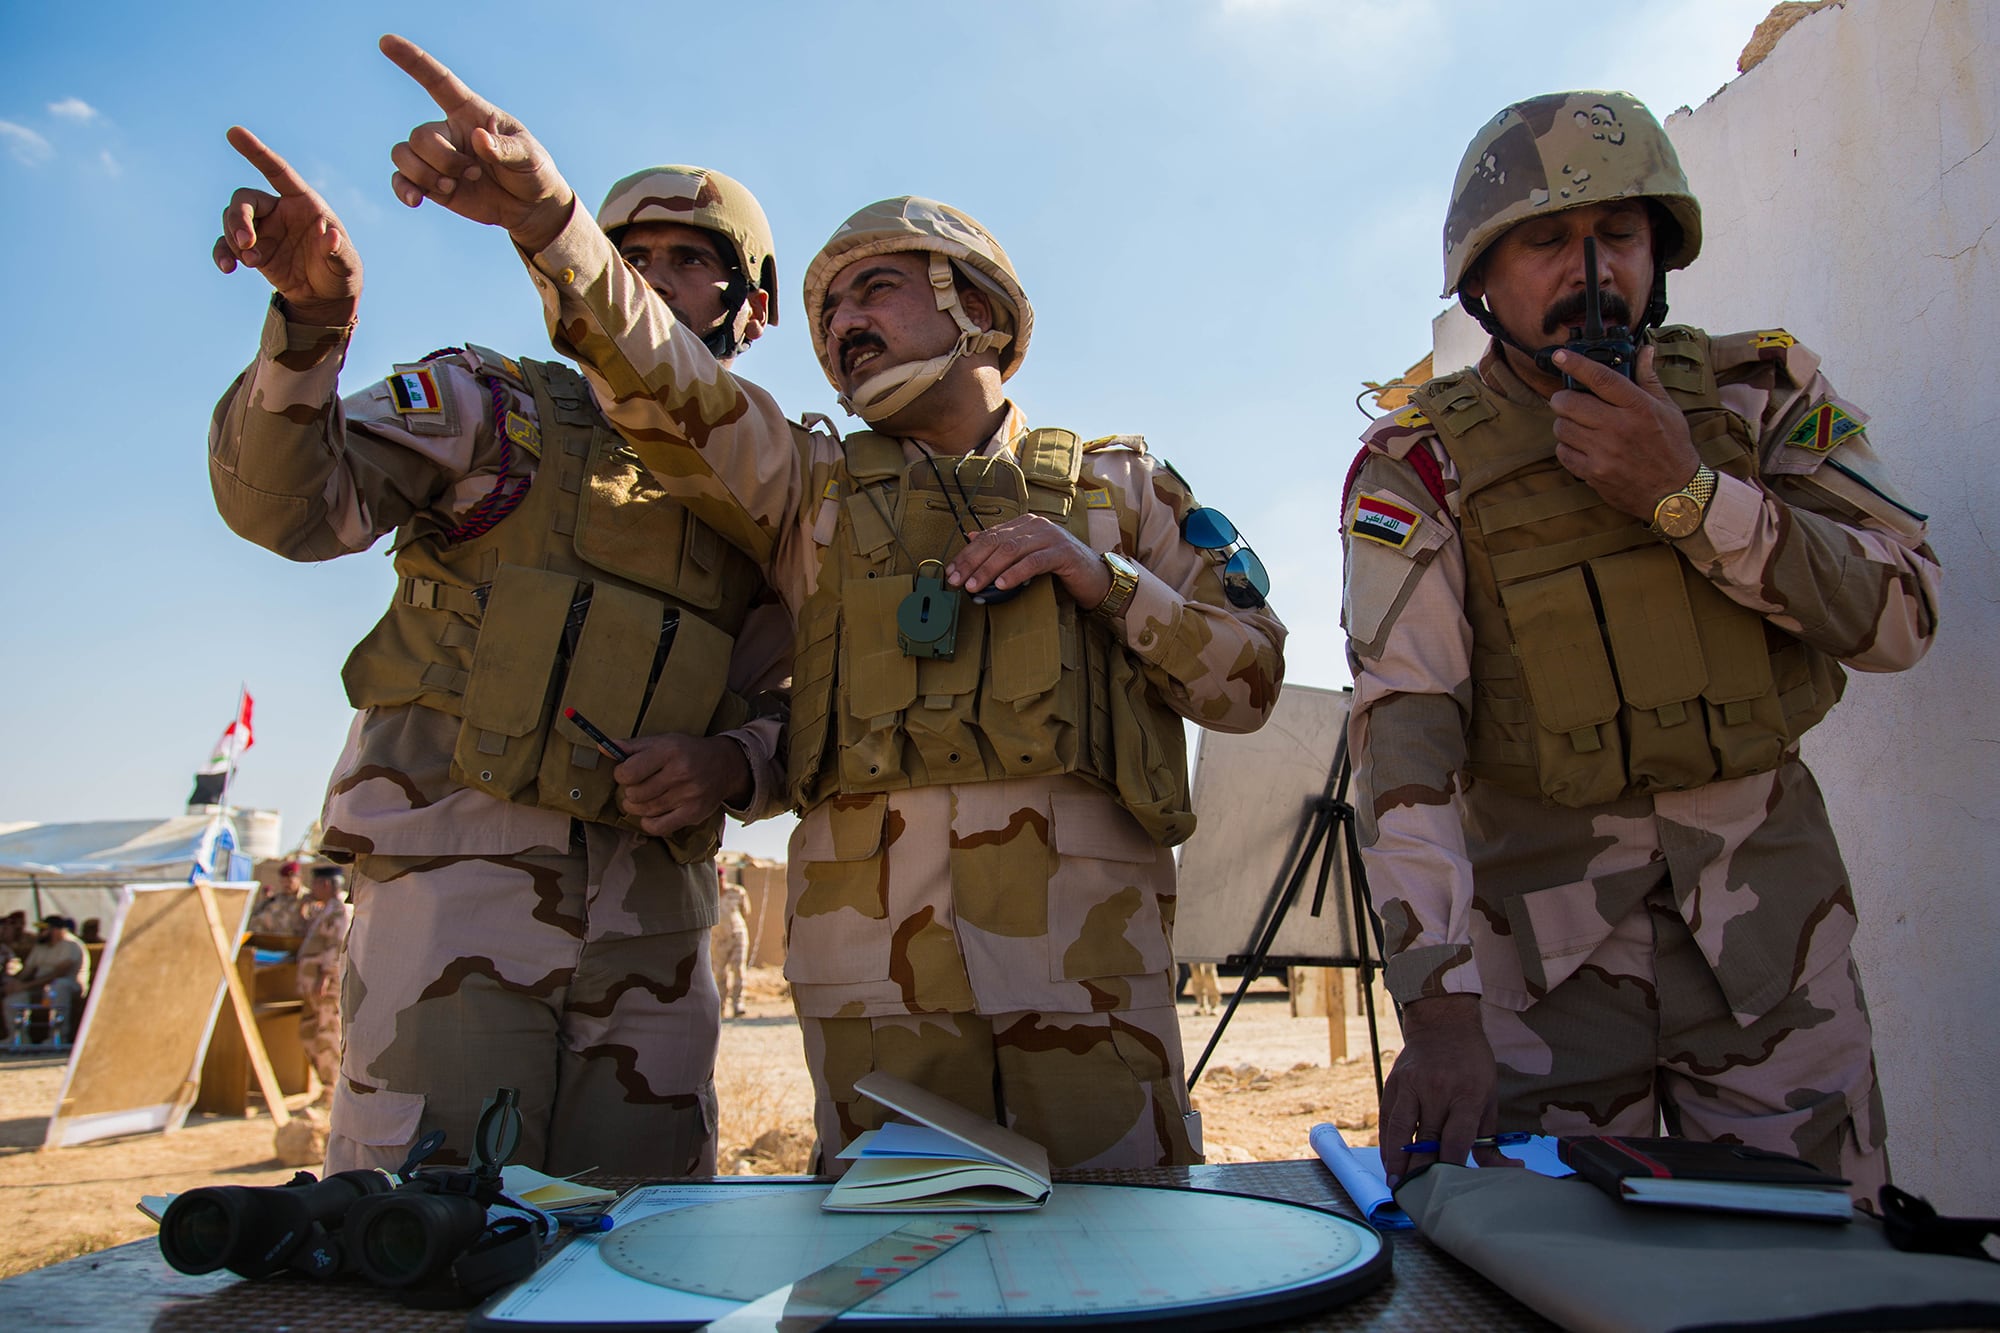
(109, 164)
(27, 147)
(74, 108)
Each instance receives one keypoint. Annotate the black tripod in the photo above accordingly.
(1328, 819)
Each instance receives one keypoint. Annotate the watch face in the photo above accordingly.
(1121, 564)
(1678, 515)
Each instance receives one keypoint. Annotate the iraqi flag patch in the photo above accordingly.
(415, 391)
(1381, 519)
(1823, 427)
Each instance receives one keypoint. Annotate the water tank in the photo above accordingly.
(258, 835)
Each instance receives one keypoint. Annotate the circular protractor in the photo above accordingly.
(1104, 1251)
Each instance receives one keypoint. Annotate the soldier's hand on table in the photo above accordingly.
(1625, 439)
(1443, 1086)
(478, 161)
(672, 781)
(1008, 555)
(290, 237)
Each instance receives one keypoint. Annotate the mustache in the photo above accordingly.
(860, 342)
(1568, 312)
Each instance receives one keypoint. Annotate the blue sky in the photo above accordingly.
(1226, 213)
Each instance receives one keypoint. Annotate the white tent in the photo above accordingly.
(77, 869)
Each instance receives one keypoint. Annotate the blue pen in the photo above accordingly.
(1491, 1141)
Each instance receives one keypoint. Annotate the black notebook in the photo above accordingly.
(1684, 1173)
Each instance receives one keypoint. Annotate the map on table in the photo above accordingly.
(682, 1255)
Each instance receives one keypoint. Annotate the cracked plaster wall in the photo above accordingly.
(1850, 192)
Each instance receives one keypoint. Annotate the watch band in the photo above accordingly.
(1124, 582)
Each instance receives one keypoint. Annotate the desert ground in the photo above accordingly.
(1268, 1082)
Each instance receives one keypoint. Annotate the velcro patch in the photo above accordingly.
(1381, 519)
(1411, 417)
(1096, 497)
(415, 391)
(1777, 338)
(524, 433)
(1823, 427)
(832, 491)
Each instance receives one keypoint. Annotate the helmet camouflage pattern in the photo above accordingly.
(697, 197)
(910, 223)
(1560, 151)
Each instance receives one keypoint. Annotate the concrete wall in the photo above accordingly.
(1850, 193)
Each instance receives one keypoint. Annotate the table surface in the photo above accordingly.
(131, 1286)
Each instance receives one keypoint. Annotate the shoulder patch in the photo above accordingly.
(1823, 428)
(1096, 497)
(1398, 432)
(524, 434)
(413, 391)
(1382, 519)
(1411, 417)
(493, 363)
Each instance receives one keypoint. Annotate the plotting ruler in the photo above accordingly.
(822, 1296)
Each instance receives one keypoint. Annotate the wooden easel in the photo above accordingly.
(239, 1000)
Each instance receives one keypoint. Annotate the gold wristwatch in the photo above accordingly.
(1680, 514)
(1124, 582)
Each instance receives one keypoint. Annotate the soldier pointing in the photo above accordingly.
(1000, 630)
(515, 921)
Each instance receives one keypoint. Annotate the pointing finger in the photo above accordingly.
(274, 168)
(445, 87)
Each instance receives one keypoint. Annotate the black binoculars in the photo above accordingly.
(428, 1232)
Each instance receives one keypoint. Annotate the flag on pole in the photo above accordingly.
(211, 781)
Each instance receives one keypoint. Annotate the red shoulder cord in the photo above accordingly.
(508, 489)
(1421, 461)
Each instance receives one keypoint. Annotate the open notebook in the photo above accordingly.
(947, 1160)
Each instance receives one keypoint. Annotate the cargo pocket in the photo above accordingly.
(1746, 723)
(1105, 892)
(836, 925)
(1579, 758)
(812, 697)
(1020, 714)
(939, 720)
(377, 1118)
(508, 697)
(878, 683)
(1657, 649)
(606, 684)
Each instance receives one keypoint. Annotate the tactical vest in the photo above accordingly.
(1033, 687)
(599, 593)
(1605, 665)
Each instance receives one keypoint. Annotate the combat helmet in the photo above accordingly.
(956, 244)
(698, 197)
(1561, 151)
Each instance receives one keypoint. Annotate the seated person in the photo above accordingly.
(57, 971)
(281, 910)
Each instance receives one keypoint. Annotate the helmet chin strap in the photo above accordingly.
(883, 396)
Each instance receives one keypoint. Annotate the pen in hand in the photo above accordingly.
(610, 748)
(1490, 1141)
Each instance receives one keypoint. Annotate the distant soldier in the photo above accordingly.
(1590, 614)
(281, 909)
(736, 951)
(319, 976)
(56, 972)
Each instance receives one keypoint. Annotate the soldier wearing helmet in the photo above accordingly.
(527, 912)
(1000, 631)
(1588, 626)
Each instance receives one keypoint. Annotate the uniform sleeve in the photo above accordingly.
(721, 445)
(1820, 544)
(1216, 664)
(302, 473)
(1409, 649)
(760, 670)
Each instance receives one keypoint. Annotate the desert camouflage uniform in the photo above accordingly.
(942, 930)
(736, 947)
(1685, 952)
(494, 943)
(319, 959)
